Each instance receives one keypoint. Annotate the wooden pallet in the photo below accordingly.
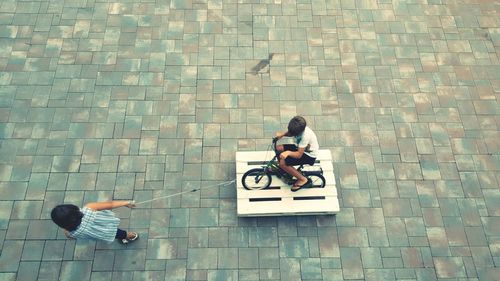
(278, 199)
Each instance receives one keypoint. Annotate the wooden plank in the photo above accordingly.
(287, 207)
(285, 192)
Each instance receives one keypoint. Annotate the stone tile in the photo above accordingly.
(263, 237)
(5, 211)
(487, 273)
(203, 217)
(352, 267)
(53, 251)
(41, 229)
(369, 216)
(408, 171)
(371, 258)
(218, 237)
(380, 274)
(161, 249)
(126, 106)
(103, 260)
(290, 268)
(198, 237)
(356, 198)
(352, 237)
(438, 241)
(202, 258)
(269, 258)
(411, 257)
(130, 260)
(76, 268)
(332, 274)
(396, 232)
(248, 258)
(14, 190)
(176, 269)
(28, 271)
(476, 236)
(396, 207)
(226, 258)
(311, 268)
(449, 267)
(50, 270)
(222, 275)
(33, 250)
(293, 247)
(328, 242)
(11, 255)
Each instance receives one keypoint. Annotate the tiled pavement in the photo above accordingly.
(137, 99)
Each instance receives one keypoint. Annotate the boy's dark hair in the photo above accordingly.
(296, 126)
(67, 216)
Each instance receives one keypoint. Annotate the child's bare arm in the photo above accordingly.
(66, 233)
(294, 154)
(279, 135)
(99, 206)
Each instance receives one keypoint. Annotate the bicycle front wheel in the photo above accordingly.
(256, 178)
(317, 180)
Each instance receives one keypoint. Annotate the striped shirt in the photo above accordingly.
(97, 225)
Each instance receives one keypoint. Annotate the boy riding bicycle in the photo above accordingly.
(303, 151)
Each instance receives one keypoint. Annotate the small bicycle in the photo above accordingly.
(261, 178)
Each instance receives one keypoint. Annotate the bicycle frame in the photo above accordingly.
(273, 164)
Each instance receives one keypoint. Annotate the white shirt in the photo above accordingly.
(308, 141)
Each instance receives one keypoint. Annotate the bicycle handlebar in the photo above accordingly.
(273, 145)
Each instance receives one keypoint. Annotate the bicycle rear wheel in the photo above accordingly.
(255, 179)
(318, 180)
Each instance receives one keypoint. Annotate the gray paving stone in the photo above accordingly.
(293, 247)
(449, 267)
(263, 237)
(352, 267)
(11, 255)
(76, 268)
(138, 100)
(5, 210)
(290, 269)
(203, 217)
(130, 260)
(28, 271)
(53, 251)
(352, 237)
(41, 229)
(202, 258)
(248, 258)
(103, 260)
(176, 269)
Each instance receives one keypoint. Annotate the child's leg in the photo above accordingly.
(122, 234)
(293, 172)
(285, 147)
(131, 235)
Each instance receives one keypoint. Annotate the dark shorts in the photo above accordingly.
(290, 161)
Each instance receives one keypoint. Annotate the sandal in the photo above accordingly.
(129, 240)
(298, 187)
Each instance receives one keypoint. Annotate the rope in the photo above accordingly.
(179, 193)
